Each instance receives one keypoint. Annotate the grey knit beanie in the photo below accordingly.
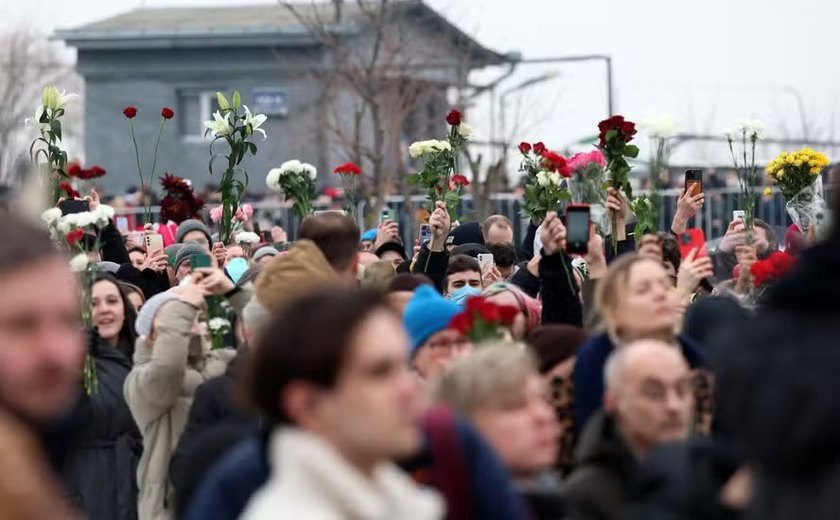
(146, 317)
(185, 252)
(191, 225)
(265, 251)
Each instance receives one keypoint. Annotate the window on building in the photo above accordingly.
(195, 107)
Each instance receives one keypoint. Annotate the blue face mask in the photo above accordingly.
(460, 296)
(236, 268)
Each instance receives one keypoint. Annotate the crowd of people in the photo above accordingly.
(630, 382)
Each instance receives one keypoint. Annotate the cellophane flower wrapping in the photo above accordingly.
(587, 186)
(803, 206)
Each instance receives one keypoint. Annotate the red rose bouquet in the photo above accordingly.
(544, 188)
(179, 202)
(483, 320)
(614, 139)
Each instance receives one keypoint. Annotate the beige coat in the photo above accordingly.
(159, 392)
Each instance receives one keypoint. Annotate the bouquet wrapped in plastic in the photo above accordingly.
(797, 174)
(587, 185)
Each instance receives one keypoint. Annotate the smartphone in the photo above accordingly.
(200, 260)
(386, 214)
(694, 177)
(68, 207)
(486, 261)
(425, 233)
(692, 239)
(738, 214)
(122, 225)
(153, 242)
(577, 229)
(321, 212)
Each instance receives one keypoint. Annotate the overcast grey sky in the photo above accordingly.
(709, 63)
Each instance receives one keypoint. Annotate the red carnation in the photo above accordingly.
(462, 323)
(508, 314)
(74, 236)
(130, 112)
(67, 188)
(460, 180)
(524, 147)
(96, 171)
(348, 169)
(73, 169)
(167, 113)
(453, 118)
(539, 148)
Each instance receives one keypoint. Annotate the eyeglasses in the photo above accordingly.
(457, 344)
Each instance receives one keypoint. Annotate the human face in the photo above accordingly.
(136, 301)
(371, 413)
(457, 280)
(441, 349)
(43, 343)
(499, 234)
(646, 307)
(399, 300)
(365, 246)
(197, 237)
(651, 247)
(522, 429)
(393, 258)
(183, 271)
(654, 400)
(108, 310)
(137, 258)
(234, 252)
(520, 322)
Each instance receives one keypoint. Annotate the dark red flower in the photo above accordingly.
(508, 314)
(68, 189)
(95, 172)
(489, 312)
(74, 236)
(539, 148)
(625, 129)
(167, 113)
(74, 169)
(475, 304)
(348, 169)
(454, 118)
(554, 162)
(524, 147)
(130, 112)
(628, 130)
(170, 182)
(460, 180)
(462, 323)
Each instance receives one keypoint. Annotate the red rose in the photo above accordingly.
(460, 180)
(130, 112)
(462, 323)
(475, 304)
(96, 171)
(67, 188)
(508, 314)
(539, 148)
(524, 147)
(628, 130)
(453, 118)
(73, 169)
(489, 312)
(555, 162)
(74, 236)
(167, 113)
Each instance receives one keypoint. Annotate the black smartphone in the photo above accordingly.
(577, 229)
(69, 207)
(694, 177)
(200, 260)
(266, 236)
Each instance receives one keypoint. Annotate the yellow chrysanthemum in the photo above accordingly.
(780, 174)
(789, 159)
(797, 163)
(816, 170)
(768, 192)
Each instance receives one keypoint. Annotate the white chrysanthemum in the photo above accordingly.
(659, 125)
(309, 170)
(104, 213)
(218, 325)
(247, 237)
(293, 166)
(465, 130)
(51, 216)
(272, 180)
(79, 263)
(542, 179)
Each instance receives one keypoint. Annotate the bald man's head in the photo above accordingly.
(649, 392)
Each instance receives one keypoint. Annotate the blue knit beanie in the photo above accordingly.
(369, 235)
(426, 314)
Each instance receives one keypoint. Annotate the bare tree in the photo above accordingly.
(28, 61)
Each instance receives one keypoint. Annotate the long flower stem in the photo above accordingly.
(154, 164)
(139, 171)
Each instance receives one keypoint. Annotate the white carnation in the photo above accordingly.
(51, 216)
(465, 130)
(78, 220)
(272, 180)
(247, 237)
(752, 127)
(439, 146)
(309, 170)
(79, 263)
(103, 214)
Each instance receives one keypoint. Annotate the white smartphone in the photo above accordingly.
(486, 261)
(340, 211)
(122, 225)
(153, 242)
(738, 214)
(425, 233)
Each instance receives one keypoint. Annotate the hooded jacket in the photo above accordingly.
(159, 391)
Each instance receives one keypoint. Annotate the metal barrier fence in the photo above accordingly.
(713, 219)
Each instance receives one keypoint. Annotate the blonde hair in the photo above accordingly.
(378, 275)
(492, 375)
(612, 287)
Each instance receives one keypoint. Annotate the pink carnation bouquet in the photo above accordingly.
(588, 185)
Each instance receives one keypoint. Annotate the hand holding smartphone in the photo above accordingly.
(69, 207)
(153, 242)
(486, 261)
(425, 233)
(694, 177)
(577, 229)
(692, 239)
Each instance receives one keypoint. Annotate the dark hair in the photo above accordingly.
(336, 235)
(504, 255)
(771, 233)
(296, 346)
(495, 220)
(670, 249)
(554, 344)
(409, 282)
(461, 263)
(22, 243)
(127, 335)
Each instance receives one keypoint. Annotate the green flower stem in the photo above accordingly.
(154, 164)
(147, 209)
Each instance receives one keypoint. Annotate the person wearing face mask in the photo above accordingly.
(172, 359)
(463, 279)
(101, 465)
(636, 301)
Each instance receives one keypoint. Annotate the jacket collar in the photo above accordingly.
(603, 445)
(303, 459)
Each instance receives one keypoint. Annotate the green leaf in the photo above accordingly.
(451, 197)
(237, 102)
(565, 196)
(55, 128)
(415, 179)
(631, 150)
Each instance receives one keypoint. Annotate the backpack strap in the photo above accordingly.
(449, 473)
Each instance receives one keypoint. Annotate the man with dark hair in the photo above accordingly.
(337, 236)
(504, 256)
(463, 278)
(725, 258)
(41, 351)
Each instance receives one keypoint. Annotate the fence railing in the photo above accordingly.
(713, 219)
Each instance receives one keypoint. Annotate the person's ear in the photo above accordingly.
(610, 402)
(299, 402)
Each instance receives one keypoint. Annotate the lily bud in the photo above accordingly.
(222, 100)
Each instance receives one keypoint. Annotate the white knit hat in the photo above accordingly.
(146, 317)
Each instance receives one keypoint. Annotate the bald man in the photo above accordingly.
(648, 401)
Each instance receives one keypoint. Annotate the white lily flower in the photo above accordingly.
(254, 121)
(51, 216)
(220, 125)
(247, 237)
(79, 263)
(53, 100)
(660, 126)
(309, 170)
(36, 121)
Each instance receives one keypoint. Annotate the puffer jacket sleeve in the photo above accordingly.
(153, 386)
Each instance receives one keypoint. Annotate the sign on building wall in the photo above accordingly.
(271, 101)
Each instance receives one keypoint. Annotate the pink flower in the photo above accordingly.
(244, 213)
(216, 214)
(582, 160)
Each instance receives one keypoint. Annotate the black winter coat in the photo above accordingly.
(101, 467)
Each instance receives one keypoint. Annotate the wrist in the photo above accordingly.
(679, 225)
(437, 245)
